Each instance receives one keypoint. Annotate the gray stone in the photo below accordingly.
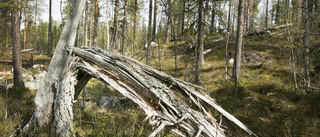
(41, 75)
(28, 78)
(109, 102)
(2, 81)
(35, 85)
(254, 57)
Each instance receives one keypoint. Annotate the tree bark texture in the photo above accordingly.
(50, 29)
(25, 26)
(149, 37)
(306, 45)
(47, 98)
(154, 92)
(134, 26)
(229, 17)
(248, 16)
(254, 6)
(213, 16)
(16, 47)
(199, 51)
(278, 13)
(237, 56)
(174, 36)
(115, 26)
(86, 26)
(154, 21)
(124, 28)
(96, 17)
(35, 27)
(266, 23)
(91, 35)
(183, 14)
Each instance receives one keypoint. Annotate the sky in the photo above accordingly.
(56, 14)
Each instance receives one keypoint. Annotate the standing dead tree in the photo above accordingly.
(53, 96)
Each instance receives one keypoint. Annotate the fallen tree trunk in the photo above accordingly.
(154, 92)
(267, 30)
(259, 32)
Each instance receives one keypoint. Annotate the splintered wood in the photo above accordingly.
(158, 94)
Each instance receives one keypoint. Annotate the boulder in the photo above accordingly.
(254, 57)
(28, 77)
(41, 75)
(33, 85)
(109, 102)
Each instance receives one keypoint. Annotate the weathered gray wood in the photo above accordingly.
(46, 98)
(260, 31)
(154, 92)
(267, 30)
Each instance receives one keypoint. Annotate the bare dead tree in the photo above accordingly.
(52, 100)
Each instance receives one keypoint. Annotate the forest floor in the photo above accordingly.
(267, 101)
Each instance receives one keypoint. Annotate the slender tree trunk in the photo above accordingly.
(266, 23)
(213, 16)
(149, 34)
(237, 56)
(229, 17)
(50, 29)
(115, 25)
(16, 47)
(134, 26)
(168, 29)
(254, 6)
(124, 28)
(86, 26)
(219, 14)
(234, 17)
(91, 35)
(96, 17)
(108, 42)
(183, 12)
(226, 56)
(154, 21)
(293, 12)
(277, 13)
(54, 94)
(174, 35)
(199, 57)
(35, 27)
(248, 16)
(25, 26)
(306, 45)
